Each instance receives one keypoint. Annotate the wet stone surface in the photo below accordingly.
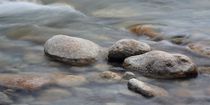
(27, 76)
(159, 64)
(37, 81)
(110, 75)
(202, 48)
(54, 94)
(128, 75)
(125, 48)
(72, 50)
(144, 30)
(146, 89)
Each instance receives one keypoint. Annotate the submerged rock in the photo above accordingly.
(54, 94)
(146, 89)
(36, 81)
(71, 50)
(24, 81)
(204, 70)
(115, 11)
(110, 75)
(126, 48)
(145, 30)
(179, 39)
(202, 48)
(69, 80)
(160, 64)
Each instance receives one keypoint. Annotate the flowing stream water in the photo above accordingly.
(25, 25)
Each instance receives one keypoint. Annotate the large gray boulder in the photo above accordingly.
(160, 64)
(125, 48)
(72, 50)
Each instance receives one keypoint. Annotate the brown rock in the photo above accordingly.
(69, 80)
(25, 81)
(144, 30)
(204, 70)
(110, 75)
(202, 48)
(35, 81)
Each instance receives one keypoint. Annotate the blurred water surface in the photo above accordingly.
(26, 24)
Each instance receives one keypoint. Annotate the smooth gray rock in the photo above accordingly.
(127, 47)
(72, 50)
(128, 75)
(160, 64)
(146, 89)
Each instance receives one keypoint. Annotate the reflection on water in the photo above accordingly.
(26, 24)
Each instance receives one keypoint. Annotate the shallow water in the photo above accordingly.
(25, 26)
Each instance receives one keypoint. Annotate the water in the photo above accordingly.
(26, 24)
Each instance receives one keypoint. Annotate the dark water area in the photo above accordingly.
(25, 25)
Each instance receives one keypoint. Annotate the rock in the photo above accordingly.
(146, 89)
(128, 75)
(204, 70)
(36, 81)
(179, 39)
(160, 64)
(115, 11)
(146, 30)
(54, 94)
(71, 50)
(110, 75)
(127, 47)
(25, 81)
(102, 66)
(4, 99)
(202, 48)
(70, 80)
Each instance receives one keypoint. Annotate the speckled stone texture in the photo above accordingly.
(72, 50)
(160, 64)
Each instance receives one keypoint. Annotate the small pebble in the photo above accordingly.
(128, 75)
(110, 75)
